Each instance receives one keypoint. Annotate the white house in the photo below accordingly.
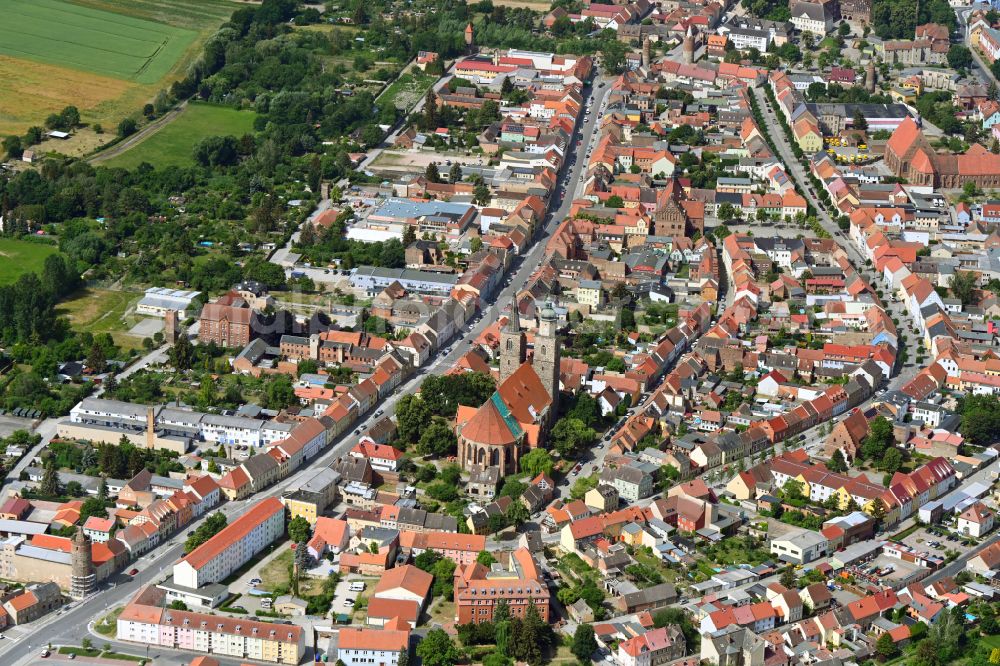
(234, 546)
(381, 456)
(366, 647)
(975, 521)
(799, 546)
(811, 17)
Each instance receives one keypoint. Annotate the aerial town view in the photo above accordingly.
(500, 332)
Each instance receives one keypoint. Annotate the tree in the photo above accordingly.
(412, 416)
(455, 173)
(793, 491)
(860, 122)
(299, 529)
(963, 285)
(582, 485)
(885, 647)
(212, 526)
(727, 212)
(537, 461)
(980, 419)
(127, 127)
(878, 510)
(178, 605)
(959, 57)
(438, 439)
(485, 558)
(517, 512)
(279, 393)
(837, 462)
(892, 459)
(13, 147)
(49, 486)
(432, 174)
(92, 507)
(570, 436)
(927, 654)
(584, 642)
(788, 577)
(96, 360)
(879, 438)
(444, 574)
(614, 201)
(181, 354)
(481, 194)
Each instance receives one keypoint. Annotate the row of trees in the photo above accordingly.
(208, 529)
(527, 640)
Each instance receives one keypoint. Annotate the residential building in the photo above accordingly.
(519, 582)
(230, 549)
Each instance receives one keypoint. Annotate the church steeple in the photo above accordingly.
(514, 321)
(547, 357)
(513, 345)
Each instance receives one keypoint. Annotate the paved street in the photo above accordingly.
(71, 627)
(804, 185)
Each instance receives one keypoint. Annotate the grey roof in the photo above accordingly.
(812, 11)
(114, 407)
(258, 466)
(405, 274)
(22, 527)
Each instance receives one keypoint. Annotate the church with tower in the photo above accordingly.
(524, 406)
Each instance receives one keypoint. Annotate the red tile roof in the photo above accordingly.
(232, 533)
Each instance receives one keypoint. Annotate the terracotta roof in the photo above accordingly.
(386, 608)
(373, 639)
(408, 577)
(487, 426)
(232, 533)
(903, 137)
(23, 601)
(524, 394)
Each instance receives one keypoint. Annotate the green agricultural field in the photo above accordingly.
(96, 41)
(106, 57)
(18, 256)
(174, 143)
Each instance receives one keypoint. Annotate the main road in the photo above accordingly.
(71, 626)
(777, 132)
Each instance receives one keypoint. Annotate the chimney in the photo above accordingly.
(314, 346)
(150, 428)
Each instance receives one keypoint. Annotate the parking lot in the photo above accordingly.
(845, 154)
(938, 540)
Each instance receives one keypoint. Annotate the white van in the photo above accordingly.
(357, 586)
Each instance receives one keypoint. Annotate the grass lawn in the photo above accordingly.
(172, 145)
(990, 641)
(79, 651)
(443, 611)
(408, 89)
(907, 532)
(653, 562)
(108, 624)
(275, 575)
(103, 311)
(123, 657)
(19, 256)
